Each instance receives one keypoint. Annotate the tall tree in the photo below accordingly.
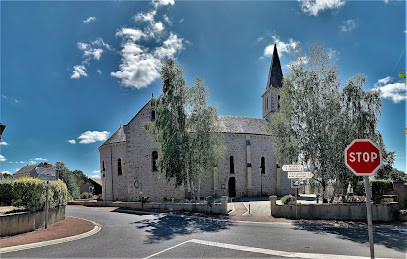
(73, 182)
(318, 120)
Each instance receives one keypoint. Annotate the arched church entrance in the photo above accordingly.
(232, 187)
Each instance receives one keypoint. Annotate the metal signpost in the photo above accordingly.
(296, 172)
(296, 184)
(364, 158)
(47, 204)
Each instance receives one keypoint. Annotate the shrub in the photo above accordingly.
(100, 197)
(6, 192)
(86, 195)
(210, 200)
(31, 193)
(287, 198)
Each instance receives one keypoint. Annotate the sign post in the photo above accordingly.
(46, 205)
(364, 158)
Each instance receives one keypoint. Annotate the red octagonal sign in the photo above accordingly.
(363, 157)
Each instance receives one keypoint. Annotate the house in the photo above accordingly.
(248, 168)
(92, 185)
(30, 170)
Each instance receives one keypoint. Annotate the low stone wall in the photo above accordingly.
(380, 212)
(217, 208)
(22, 222)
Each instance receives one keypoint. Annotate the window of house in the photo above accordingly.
(154, 160)
(152, 115)
(232, 165)
(263, 165)
(103, 168)
(278, 102)
(119, 166)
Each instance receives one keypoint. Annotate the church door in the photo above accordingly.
(232, 187)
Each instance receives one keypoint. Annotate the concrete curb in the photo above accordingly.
(96, 229)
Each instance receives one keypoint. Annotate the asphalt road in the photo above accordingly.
(176, 236)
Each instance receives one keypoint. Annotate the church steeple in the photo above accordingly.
(275, 78)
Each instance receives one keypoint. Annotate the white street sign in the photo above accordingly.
(295, 184)
(296, 175)
(293, 168)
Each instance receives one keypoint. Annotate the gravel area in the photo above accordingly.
(70, 226)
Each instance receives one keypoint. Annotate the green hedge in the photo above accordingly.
(379, 188)
(31, 193)
(6, 192)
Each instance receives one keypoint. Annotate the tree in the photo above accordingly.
(205, 140)
(72, 181)
(318, 120)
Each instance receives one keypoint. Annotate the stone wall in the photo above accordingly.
(22, 222)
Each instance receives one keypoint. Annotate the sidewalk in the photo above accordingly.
(68, 227)
(259, 212)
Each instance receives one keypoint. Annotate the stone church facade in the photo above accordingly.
(248, 168)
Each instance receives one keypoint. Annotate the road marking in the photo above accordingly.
(167, 249)
(95, 229)
(272, 252)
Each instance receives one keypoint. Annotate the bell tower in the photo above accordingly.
(271, 97)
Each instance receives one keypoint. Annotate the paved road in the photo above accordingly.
(174, 236)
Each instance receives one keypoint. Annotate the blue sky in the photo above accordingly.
(72, 71)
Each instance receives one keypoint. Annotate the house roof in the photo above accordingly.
(243, 125)
(26, 169)
(97, 180)
(117, 137)
(275, 77)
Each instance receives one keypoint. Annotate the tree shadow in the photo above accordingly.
(168, 226)
(390, 235)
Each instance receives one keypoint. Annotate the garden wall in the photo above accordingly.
(380, 212)
(217, 208)
(22, 222)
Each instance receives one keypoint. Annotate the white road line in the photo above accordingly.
(272, 252)
(167, 249)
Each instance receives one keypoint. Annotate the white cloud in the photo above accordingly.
(166, 19)
(313, 7)
(100, 72)
(95, 176)
(2, 158)
(3, 143)
(158, 3)
(89, 137)
(96, 171)
(90, 19)
(22, 162)
(397, 92)
(260, 39)
(140, 65)
(348, 25)
(40, 159)
(5, 172)
(11, 99)
(71, 141)
(386, 1)
(303, 60)
(282, 47)
(78, 71)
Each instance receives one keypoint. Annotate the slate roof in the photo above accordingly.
(26, 169)
(243, 125)
(275, 77)
(117, 137)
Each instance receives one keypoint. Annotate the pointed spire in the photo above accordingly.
(275, 77)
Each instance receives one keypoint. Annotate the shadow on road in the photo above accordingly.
(168, 226)
(391, 236)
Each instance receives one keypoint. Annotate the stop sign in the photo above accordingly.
(363, 157)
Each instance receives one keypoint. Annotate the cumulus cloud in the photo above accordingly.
(5, 172)
(89, 137)
(95, 176)
(282, 47)
(91, 51)
(3, 143)
(90, 19)
(140, 65)
(313, 7)
(397, 91)
(40, 159)
(79, 71)
(96, 171)
(348, 25)
(71, 141)
(2, 158)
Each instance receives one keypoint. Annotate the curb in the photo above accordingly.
(96, 229)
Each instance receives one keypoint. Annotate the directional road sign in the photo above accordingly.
(293, 168)
(295, 183)
(302, 175)
(46, 174)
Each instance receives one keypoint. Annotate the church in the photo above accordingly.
(248, 168)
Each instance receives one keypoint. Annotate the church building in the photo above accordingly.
(248, 168)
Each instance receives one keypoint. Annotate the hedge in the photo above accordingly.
(6, 192)
(31, 193)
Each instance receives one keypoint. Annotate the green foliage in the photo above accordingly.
(31, 193)
(5, 176)
(394, 174)
(210, 200)
(86, 195)
(287, 198)
(72, 179)
(100, 197)
(6, 192)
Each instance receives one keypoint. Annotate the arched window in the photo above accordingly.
(154, 157)
(103, 168)
(232, 165)
(263, 165)
(152, 115)
(119, 166)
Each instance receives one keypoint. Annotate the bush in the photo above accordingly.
(6, 192)
(31, 194)
(100, 197)
(86, 195)
(287, 198)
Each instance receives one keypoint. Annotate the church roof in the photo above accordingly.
(243, 125)
(117, 137)
(275, 77)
